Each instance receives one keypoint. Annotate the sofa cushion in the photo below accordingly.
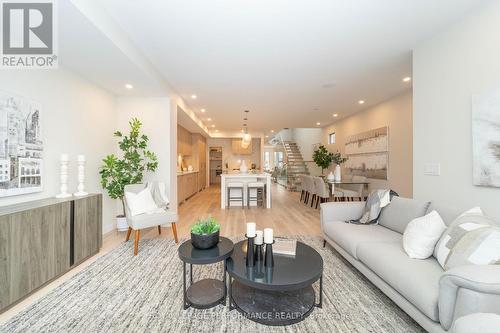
(400, 212)
(416, 280)
(448, 214)
(349, 236)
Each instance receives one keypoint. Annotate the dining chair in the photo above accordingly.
(142, 221)
(302, 187)
(322, 191)
(354, 191)
(307, 188)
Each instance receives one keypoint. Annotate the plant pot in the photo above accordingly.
(204, 242)
(121, 223)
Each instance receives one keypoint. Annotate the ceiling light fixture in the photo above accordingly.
(272, 131)
(318, 123)
(194, 96)
(202, 110)
(361, 102)
(335, 115)
(129, 86)
(247, 138)
(407, 79)
(217, 130)
(209, 119)
(213, 126)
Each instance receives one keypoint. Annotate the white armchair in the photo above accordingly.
(143, 221)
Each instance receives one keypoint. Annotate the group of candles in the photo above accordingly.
(256, 239)
(260, 236)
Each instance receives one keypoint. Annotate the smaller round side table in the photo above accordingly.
(206, 293)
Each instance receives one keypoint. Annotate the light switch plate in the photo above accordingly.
(432, 169)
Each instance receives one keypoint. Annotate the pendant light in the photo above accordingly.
(247, 138)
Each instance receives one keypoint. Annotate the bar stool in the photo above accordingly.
(236, 186)
(260, 188)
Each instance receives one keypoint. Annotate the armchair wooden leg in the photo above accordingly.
(174, 230)
(136, 241)
(159, 229)
(129, 231)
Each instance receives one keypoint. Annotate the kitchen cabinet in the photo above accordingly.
(184, 141)
(187, 185)
(237, 149)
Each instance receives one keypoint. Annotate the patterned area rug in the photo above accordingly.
(123, 293)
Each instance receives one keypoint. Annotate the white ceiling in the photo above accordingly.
(291, 62)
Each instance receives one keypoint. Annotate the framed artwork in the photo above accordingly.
(21, 145)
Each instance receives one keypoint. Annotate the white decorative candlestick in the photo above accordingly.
(259, 237)
(81, 176)
(251, 229)
(268, 236)
(64, 159)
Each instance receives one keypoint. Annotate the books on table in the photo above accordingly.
(285, 246)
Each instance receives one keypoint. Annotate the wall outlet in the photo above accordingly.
(432, 169)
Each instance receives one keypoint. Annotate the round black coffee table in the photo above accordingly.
(206, 293)
(277, 296)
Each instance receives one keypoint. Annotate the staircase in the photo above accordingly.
(295, 165)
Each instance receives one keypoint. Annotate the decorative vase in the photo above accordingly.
(64, 159)
(243, 167)
(205, 241)
(121, 223)
(337, 175)
(81, 176)
(331, 176)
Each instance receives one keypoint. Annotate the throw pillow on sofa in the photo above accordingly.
(400, 212)
(140, 203)
(422, 234)
(477, 247)
(470, 220)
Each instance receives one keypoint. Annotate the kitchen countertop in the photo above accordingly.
(245, 175)
(186, 173)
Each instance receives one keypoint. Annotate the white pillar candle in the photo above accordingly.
(251, 229)
(259, 237)
(268, 236)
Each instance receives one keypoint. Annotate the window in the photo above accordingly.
(331, 138)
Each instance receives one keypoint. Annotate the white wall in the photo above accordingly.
(447, 71)
(77, 118)
(396, 113)
(155, 116)
(306, 139)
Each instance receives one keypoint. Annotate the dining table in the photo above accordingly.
(332, 183)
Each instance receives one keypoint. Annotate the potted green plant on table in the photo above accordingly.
(205, 233)
(129, 169)
(323, 158)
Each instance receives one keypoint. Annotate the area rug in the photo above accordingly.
(123, 293)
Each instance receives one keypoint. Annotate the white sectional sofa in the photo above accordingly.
(431, 296)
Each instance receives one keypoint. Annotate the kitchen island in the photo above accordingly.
(244, 178)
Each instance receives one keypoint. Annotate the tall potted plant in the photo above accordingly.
(323, 158)
(130, 168)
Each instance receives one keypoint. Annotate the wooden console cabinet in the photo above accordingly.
(43, 239)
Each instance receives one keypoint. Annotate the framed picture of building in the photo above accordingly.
(21, 145)
(368, 153)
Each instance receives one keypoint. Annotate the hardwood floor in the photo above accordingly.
(288, 216)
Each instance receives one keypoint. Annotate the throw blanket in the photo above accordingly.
(376, 201)
(158, 191)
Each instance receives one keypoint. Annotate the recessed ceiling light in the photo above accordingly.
(213, 126)
(318, 123)
(129, 86)
(335, 115)
(194, 96)
(203, 110)
(267, 136)
(242, 131)
(209, 119)
(217, 130)
(407, 79)
(361, 102)
(272, 131)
